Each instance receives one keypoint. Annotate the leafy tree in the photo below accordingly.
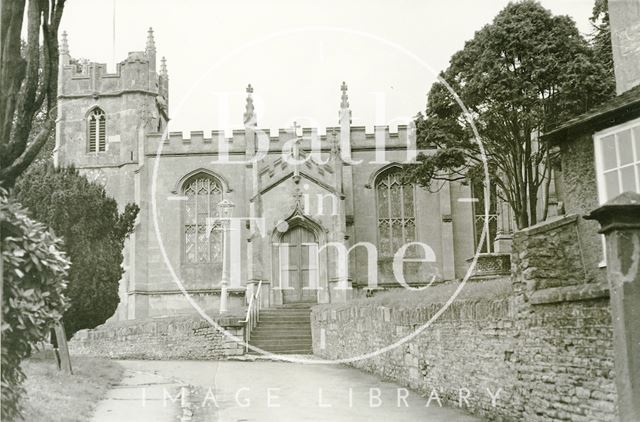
(94, 233)
(601, 39)
(34, 269)
(28, 81)
(520, 75)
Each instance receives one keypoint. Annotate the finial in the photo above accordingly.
(64, 44)
(151, 44)
(295, 126)
(249, 113)
(163, 66)
(345, 98)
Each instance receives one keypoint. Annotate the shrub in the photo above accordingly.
(34, 270)
(93, 231)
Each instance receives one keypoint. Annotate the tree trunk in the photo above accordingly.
(27, 84)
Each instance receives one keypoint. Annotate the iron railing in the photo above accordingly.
(253, 313)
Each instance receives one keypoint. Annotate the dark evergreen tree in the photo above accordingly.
(93, 231)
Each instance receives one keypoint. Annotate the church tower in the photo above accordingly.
(104, 120)
(104, 117)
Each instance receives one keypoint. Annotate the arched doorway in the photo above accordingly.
(298, 265)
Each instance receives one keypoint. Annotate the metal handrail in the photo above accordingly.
(253, 314)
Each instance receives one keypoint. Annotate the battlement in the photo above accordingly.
(88, 78)
(216, 141)
(401, 137)
(136, 73)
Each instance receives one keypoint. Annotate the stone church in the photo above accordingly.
(298, 188)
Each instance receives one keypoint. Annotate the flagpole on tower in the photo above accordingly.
(113, 33)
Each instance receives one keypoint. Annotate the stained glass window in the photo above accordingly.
(97, 123)
(396, 215)
(202, 234)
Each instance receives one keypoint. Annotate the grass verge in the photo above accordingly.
(55, 397)
(491, 289)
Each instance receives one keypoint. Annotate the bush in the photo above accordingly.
(34, 270)
(93, 231)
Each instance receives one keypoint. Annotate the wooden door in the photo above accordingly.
(300, 266)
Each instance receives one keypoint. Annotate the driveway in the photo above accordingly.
(266, 391)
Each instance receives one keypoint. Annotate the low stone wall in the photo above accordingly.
(465, 357)
(565, 362)
(550, 255)
(565, 353)
(188, 337)
(545, 345)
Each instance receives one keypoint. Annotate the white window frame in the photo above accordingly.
(599, 163)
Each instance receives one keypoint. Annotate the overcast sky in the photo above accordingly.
(295, 53)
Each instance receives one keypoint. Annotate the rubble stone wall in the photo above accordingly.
(542, 352)
(464, 357)
(163, 339)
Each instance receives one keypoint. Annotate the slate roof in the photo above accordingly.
(617, 110)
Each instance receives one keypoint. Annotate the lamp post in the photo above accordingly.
(225, 210)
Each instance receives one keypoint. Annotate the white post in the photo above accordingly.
(224, 208)
(224, 284)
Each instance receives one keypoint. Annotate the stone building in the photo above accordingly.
(113, 127)
(600, 158)
(600, 149)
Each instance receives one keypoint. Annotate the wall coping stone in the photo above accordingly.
(548, 225)
(463, 310)
(235, 319)
(215, 290)
(573, 293)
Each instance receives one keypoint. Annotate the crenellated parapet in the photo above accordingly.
(402, 137)
(217, 141)
(136, 73)
(83, 78)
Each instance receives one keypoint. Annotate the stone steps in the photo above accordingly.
(285, 318)
(277, 322)
(282, 325)
(301, 351)
(280, 335)
(280, 346)
(286, 311)
(285, 330)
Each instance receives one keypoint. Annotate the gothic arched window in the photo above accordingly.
(202, 234)
(97, 124)
(396, 214)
